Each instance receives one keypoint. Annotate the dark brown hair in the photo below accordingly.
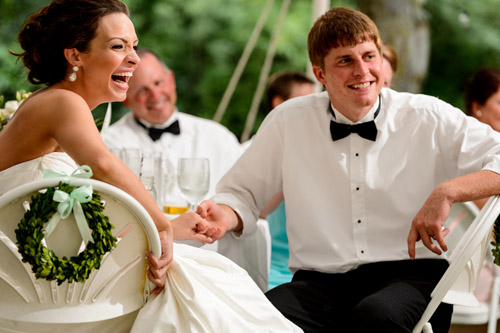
(60, 25)
(390, 54)
(280, 84)
(481, 85)
(339, 27)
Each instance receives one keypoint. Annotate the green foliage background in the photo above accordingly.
(202, 40)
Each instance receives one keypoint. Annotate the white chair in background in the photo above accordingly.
(108, 301)
(485, 312)
(466, 260)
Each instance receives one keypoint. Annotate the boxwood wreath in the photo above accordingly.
(496, 241)
(45, 264)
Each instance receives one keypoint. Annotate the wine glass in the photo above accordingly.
(193, 176)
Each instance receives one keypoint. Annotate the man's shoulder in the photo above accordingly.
(303, 107)
(208, 133)
(414, 102)
(316, 100)
(123, 127)
(201, 124)
(124, 121)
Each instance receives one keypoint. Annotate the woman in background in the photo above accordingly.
(482, 101)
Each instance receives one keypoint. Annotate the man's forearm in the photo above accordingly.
(478, 185)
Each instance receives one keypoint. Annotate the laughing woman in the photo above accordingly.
(84, 52)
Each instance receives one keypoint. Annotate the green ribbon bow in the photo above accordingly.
(85, 172)
(71, 202)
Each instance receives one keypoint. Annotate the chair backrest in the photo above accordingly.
(466, 259)
(462, 214)
(118, 288)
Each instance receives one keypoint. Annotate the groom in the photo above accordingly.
(366, 172)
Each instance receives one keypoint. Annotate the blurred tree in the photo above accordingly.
(465, 37)
(403, 24)
(12, 74)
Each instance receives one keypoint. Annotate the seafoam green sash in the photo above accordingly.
(71, 202)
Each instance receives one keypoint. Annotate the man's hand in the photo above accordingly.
(210, 222)
(427, 225)
(191, 226)
(218, 218)
(157, 272)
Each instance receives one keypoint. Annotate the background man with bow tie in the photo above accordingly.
(155, 125)
(358, 202)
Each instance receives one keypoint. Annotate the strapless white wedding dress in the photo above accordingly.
(204, 292)
(33, 170)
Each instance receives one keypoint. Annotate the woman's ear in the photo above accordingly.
(73, 57)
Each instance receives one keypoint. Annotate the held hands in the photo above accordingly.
(427, 225)
(207, 225)
(216, 216)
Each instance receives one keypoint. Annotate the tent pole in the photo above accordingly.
(319, 7)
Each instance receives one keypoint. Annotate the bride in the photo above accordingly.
(84, 52)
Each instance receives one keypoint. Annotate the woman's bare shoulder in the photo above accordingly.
(56, 98)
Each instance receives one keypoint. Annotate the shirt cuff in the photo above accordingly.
(247, 216)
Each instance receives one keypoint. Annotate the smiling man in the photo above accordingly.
(366, 173)
(155, 125)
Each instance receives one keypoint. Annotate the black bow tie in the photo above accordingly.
(155, 133)
(367, 130)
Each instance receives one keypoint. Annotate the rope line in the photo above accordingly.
(264, 73)
(238, 71)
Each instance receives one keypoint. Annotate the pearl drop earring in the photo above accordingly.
(72, 76)
(479, 113)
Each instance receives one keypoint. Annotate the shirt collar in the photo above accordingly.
(370, 115)
(173, 117)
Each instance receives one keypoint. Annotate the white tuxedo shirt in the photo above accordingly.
(352, 201)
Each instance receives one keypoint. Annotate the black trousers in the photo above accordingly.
(377, 297)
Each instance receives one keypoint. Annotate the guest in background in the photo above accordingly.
(390, 63)
(156, 125)
(482, 101)
(285, 85)
(482, 97)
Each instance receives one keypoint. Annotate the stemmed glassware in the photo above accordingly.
(193, 177)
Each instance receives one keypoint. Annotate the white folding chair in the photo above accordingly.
(108, 301)
(466, 260)
(484, 312)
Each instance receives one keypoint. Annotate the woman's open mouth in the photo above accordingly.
(122, 78)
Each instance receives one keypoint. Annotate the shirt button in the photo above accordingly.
(362, 251)
(357, 188)
(359, 221)
(357, 154)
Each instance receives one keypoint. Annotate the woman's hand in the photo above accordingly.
(191, 226)
(210, 222)
(157, 272)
